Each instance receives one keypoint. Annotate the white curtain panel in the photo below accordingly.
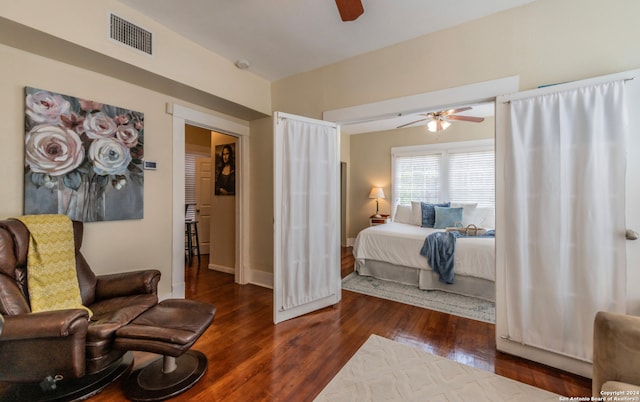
(565, 216)
(310, 244)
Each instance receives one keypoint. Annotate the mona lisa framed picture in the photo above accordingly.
(225, 180)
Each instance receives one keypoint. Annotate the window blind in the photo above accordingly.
(472, 177)
(456, 172)
(416, 178)
(190, 182)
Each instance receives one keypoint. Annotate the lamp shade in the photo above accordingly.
(438, 125)
(376, 192)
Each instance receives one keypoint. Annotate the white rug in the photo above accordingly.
(463, 306)
(384, 370)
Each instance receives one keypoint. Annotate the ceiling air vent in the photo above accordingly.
(130, 34)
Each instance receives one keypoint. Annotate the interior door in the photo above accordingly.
(632, 217)
(204, 190)
(306, 215)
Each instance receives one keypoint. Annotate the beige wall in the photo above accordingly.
(197, 139)
(547, 41)
(345, 156)
(84, 23)
(261, 197)
(371, 163)
(45, 46)
(114, 246)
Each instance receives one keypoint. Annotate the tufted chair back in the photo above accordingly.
(14, 246)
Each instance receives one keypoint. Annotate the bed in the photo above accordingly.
(392, 252)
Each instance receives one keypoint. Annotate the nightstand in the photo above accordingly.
(373, 221)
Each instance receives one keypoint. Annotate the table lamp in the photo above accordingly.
(377, 193)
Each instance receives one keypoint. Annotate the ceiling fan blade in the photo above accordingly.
(350, 10)
(413, 122)
(462, 109)
(465, 118)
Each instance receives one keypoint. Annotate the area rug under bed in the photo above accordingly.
(463, 306)
(385, 370)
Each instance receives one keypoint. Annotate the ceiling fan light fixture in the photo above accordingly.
(436, 125)
(439, 121)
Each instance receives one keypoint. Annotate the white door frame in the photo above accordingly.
(183, 115)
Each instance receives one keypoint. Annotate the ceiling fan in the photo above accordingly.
(350, 9)
(439, 120)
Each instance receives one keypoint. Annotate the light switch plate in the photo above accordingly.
(149, 165)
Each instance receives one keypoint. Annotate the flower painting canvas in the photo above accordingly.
(82, 158)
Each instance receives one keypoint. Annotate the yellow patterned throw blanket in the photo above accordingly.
(51, 263)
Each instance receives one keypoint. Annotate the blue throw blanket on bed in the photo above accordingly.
(439, 248)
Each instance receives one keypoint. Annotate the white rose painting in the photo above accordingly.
(82, 158)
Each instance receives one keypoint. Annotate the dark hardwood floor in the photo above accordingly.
(250, 359)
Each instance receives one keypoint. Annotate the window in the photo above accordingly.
(416, 177)
(457, 172)
(472, 177)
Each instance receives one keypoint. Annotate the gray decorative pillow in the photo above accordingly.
(447, 217)
(429, 213)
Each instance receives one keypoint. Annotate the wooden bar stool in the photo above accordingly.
(193, 240)
(191, 233)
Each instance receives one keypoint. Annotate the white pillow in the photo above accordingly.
(416, 213)
(468, 212)
(485, 217)
(403, 214)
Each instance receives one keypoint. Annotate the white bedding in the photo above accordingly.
(400, 244)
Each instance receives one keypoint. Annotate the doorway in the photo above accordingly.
(181, 117)
(197, 182)
(222, 255)
(206, 154)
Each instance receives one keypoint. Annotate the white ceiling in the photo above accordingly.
(280, 38)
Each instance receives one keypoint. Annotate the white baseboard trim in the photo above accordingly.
(221, 268)
(261, 278)
(351, 241)
(177, 291)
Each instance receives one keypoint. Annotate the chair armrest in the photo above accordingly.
(36, 345)
(46, 324)
(616, 350)
(127, 284)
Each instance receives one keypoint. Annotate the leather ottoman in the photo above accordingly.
(170, 328)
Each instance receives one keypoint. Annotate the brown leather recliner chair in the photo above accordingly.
(64, 342)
